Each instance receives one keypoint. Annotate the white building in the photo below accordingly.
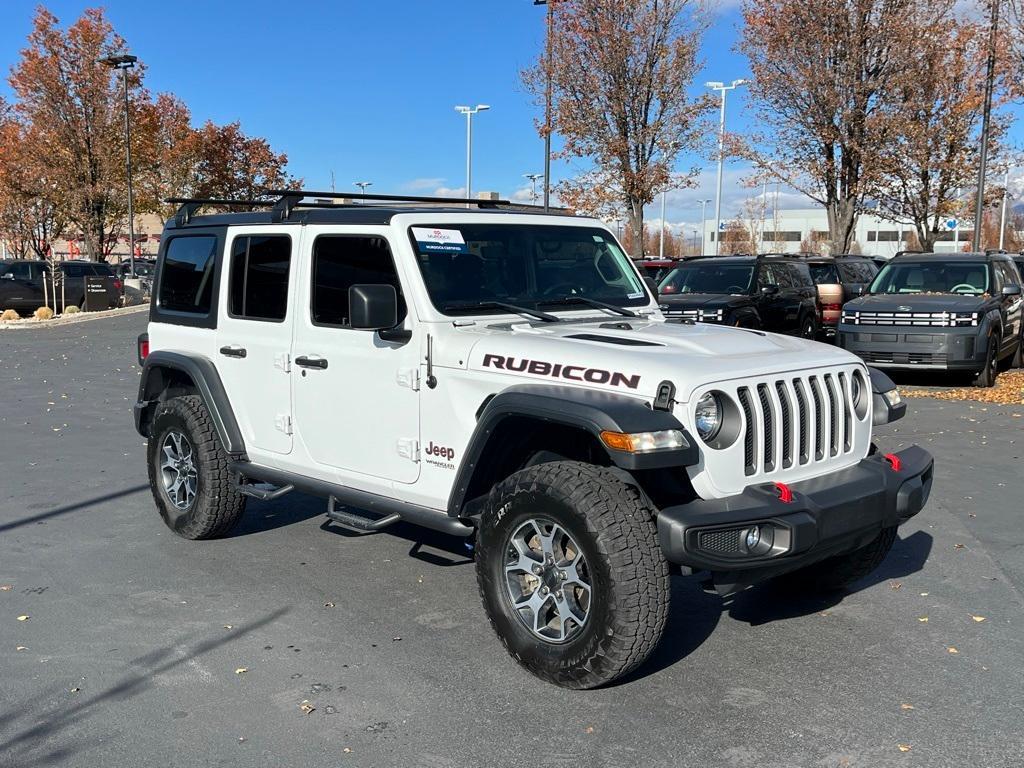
(785, 231)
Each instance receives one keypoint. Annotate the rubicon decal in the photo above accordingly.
(562, 371)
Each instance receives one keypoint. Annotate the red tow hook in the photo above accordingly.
(894, 461)
(785, 494)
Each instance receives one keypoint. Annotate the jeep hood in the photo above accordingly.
(633, 356)
(917, 302)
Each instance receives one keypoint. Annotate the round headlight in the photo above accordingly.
(708, 416)
(857, 389)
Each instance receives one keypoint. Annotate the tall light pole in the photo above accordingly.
(986, 116)
(548, 22)
(703, 223)
(124, 62)
(362, 185)
(533, 185)
(723, 88)
(1002, 214)
(661, 239)
(469, 112)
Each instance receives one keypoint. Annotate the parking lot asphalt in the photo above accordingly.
(292, 643)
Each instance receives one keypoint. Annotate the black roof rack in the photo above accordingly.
(283, 201)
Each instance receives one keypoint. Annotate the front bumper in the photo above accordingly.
(828, 515)
(903, 348)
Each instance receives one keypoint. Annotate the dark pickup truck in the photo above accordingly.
(954, 311)
(21, 285)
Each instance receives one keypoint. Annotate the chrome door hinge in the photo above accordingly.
(283, 422)
(409, 377)
(409, 448)
(284, 362)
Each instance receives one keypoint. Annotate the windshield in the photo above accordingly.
(967, 277)
(475, 268)
(824, 274)
(708, 277)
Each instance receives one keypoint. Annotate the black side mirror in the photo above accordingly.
(1011, 290)
(769, 290)
(372, 307)
(652, 285)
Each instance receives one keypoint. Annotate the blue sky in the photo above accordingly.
(367, 89)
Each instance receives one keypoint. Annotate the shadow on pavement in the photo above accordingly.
(52, 718)
(262, 516)
(56, 512)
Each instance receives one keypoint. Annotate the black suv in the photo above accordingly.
(21, 285)
(772, 293)
(952, 311)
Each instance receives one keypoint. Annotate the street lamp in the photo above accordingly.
(548, 21)
(986, 117)
(124, 62)
(703, 224)
(718, 86)
(362, 185)
(533, 184)
(469, 112)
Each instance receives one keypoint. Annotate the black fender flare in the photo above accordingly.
(589, 410)
(208, 386)
(885, 411)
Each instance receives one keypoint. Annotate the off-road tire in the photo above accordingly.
(1018, 356)
(218, 505)
(616, 532)
(987, 376)
(837, 572)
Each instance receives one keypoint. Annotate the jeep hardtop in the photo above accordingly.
(507, 376)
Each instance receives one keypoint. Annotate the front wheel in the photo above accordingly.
(990, 372)
(571, 575)
(188, 471)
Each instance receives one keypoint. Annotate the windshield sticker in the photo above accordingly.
(637, 295)
(439, 240)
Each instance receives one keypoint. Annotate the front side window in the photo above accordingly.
(259, 277)
(547, 267)
(341, 261)
(965, 277)
(186, 281)
(708, 277)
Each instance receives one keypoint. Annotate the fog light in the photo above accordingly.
(753, 537)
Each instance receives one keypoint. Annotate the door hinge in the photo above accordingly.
(409, 448)
(409, 377)
(283, 422)
(284, 362)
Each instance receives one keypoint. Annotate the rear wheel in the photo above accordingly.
(571, 575)
(808, 328)
(188, 471)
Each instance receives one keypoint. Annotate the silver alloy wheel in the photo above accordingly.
(178, 470)
(547, 580)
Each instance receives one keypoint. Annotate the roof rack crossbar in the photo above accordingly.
(304, 193)
(187, 206)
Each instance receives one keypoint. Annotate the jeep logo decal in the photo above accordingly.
(562, 371)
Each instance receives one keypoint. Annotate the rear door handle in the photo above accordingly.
(311, 362)
(233, 351)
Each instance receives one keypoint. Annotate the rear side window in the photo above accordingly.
(75, 270)
(186, 281)
(259, 277)
(339, 262)
(857, 271)
(824, 274)
(102, 270)
(799, 275)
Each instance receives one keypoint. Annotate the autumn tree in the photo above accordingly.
(934, 149)
(619, 73)
(828, 78)
(30, 215)
(230, 164)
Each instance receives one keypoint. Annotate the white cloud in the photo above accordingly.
(418, 185)
(449, 192)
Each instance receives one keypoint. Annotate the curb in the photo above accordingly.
(79, 317)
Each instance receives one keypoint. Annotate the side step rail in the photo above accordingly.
(359, 522)
(262, 491)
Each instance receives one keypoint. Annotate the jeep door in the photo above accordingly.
(254, 333)
(356, 395)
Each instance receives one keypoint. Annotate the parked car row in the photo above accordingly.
(22, 285)
(949, 312)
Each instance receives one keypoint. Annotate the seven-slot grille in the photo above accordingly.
(796, 420)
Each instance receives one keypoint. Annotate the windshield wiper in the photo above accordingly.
(593, 303)
(547, 318)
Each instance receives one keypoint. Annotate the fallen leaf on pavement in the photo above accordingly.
(894, 585)
(589, 729)
(958, 546)
(978, 619)
(903, 747)
(906, 706)
(75, 690)
(346, 750)
(23, 618)
(923, 619)
(328, 605)
(21, 648)
(228, 626)
(6, 588)
(306, 707)
(241, 670)
(951, 649)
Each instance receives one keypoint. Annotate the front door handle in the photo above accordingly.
(233, 351)
(311, 362)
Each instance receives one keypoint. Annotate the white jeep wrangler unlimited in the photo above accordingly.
(507, 376)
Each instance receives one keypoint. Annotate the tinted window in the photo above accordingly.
(340, 262)
(857, 271)
(824, 273)
(1009, 273)
(967, 277)
(102, 270)
(21, 270)
(186, 281)
(76, 270)
(798, 276)
(708, 277)
(766, 276)
(259, 277)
